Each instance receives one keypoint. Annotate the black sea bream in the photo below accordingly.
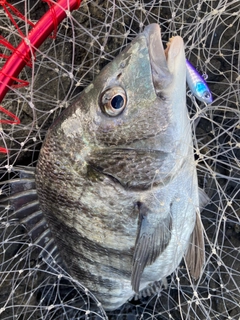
(116, 177)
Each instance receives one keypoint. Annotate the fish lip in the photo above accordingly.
(162, 61)
(158, 60)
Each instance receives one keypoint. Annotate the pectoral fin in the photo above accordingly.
(152, 238)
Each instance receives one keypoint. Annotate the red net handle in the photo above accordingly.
(26, 49)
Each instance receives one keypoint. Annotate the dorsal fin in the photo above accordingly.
(24, 208)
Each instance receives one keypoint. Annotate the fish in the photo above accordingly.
(197, 84)
(114, 198)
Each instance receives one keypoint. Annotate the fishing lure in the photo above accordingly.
(197, 84)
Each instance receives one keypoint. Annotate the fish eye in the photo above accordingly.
(207, 95)
(113, 101)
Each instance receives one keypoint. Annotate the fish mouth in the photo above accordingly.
(164, 63)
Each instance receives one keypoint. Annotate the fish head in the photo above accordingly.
(203, 93)
(140, 94)
(137, 101)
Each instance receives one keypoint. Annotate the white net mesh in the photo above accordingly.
(86, 40)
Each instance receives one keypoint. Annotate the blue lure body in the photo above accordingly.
(197, 84)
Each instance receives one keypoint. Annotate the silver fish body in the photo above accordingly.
(116, 177)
